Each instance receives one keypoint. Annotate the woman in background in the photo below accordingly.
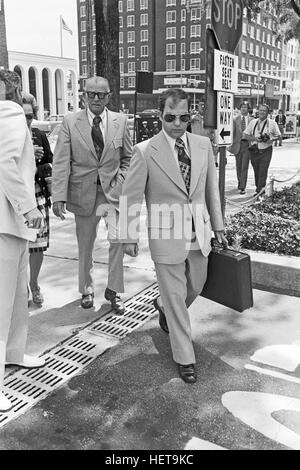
(43, 158)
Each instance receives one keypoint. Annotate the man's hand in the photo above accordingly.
(219, 235)
(59, 209)
(34, 219)
(131, 249)
(38, 152)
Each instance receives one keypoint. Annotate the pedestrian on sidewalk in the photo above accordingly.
(19, 216)
(240, 146)
(281, 122)
(261, 133)
(43, 160)
(175, 172)
(91, 159)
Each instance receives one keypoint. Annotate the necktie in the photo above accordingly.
(243, 123)
(97, 136)
(184, 163)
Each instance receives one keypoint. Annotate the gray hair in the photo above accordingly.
(28, 98)
(9, 82)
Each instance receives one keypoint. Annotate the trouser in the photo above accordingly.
(179, 285)
(242, 164)
(86, 231)
(281, 128)
(260, 163)
(13, 295)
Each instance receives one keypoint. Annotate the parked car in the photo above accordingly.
(148, 113)
(52, 137)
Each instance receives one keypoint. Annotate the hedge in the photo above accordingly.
(284, 203)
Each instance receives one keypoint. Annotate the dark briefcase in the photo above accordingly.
(229, 279)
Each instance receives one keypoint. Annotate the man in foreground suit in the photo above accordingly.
(240, 146)
(19, 216)
(90, 163)
(175, 171)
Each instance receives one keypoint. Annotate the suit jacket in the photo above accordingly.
(237, 134)
(283, 120)
(76, 167)
(17, 169)
(154, 173)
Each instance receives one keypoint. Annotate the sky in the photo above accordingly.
(34, 26)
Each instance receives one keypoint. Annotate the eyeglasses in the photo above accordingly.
(29, 117)
(101, 96)
(172, 117)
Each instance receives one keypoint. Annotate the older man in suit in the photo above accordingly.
(175, 171)
(19, 216)
(90, 163)
(240, 146)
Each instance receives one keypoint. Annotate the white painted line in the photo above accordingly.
(272, 373)
(199, 444)
(283, 356)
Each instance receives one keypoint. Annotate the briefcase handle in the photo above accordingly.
(218, 246)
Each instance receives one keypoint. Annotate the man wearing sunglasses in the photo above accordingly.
(175, 171)
(91, 159)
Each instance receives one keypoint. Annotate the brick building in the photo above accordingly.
(3, 43)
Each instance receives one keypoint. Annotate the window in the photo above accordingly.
(130, 5)
(195, 14)
(94, 24)
(170, 3)
(195, 48)
(121, 37)
(93, 9)
(144, 4)
(243, 63)
(131, 51)
(95, 69)
(144, 35)
(251, 65)
(182, 48)
(121, 7)
(183, 15)
(144, 51)
(258, 34)
(131, 82)
(121, 67)
(251, 48)
(245, 29)
(121, 82)
(182, 64)
(84, 70)
(195, 30)
(121, 21)
(131, 36)
(94, 54)
(195, 64)
(131, 67)
(257, 50)
(171, 33)
(171, 16)
(82, 11)
(130, 21)
(83, 41)
(144, 65)
(144, 19)
(244, 45)
(83, 55)
(121, 52)
(183, 32)
(171, 65)
(83, 26)
(171, 49)
(94, 40)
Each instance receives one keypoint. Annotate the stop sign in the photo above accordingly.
(227, 22)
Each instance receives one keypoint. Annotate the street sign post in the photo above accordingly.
(227, 22)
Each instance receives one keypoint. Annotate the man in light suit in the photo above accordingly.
(19, 215)
(240, 146)
(90, 163)
(175, 171)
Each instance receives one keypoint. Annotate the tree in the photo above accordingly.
(107, 46)
(287, 12)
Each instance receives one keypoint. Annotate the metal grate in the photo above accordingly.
(25, 387)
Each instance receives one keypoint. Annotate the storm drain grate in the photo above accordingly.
(139, 310)
(25, 387)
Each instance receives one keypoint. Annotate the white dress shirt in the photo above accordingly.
(172, 143)
(103, 123)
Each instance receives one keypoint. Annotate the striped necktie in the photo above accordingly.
(97, 136)
(184, 163)
(243, 123)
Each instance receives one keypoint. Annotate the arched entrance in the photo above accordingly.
(32, 82)
(46, 92)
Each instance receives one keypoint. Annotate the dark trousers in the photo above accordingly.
(260, 163)
(242, 165)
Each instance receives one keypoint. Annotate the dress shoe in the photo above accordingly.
(29, 362)
(5, 404)
(242, 191)
(87, 301)
(187, 373)
(161, 317)
(115, 301)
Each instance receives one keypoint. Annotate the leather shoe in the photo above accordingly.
(29, 362)
(161, 317)
(87, 301)
(187, 373)
(242, 191)
(5, 404)
(115, 301)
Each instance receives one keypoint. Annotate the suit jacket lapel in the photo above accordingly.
(85, 131)
(197, 161)
(111, 128)
(162, 155)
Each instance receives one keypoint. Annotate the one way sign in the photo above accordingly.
(224, 118)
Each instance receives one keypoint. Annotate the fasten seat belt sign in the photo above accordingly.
(224, 118)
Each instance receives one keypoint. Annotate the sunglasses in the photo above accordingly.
(29, 117)
(172, 117)
(101, 96)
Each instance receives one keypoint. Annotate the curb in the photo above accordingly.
(275, 273)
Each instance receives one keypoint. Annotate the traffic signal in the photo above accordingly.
(144, 82)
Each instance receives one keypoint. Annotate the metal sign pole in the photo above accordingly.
(222, 171)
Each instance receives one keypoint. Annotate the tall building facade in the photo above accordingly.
(3, 42)
(167, 37)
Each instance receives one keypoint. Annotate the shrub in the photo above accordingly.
(284, 203)
(255, 230)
